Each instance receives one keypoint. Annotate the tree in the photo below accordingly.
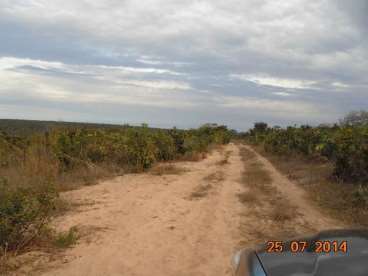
(260, 127)
(355, 118)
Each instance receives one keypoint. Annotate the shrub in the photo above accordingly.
(165, 146)
(360, 197)
(66, 239)
(142, 150)
(345, 146)
(23, 213)
(351, 154)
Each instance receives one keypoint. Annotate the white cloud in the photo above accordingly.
(172, 85)
(12, 63)
(267, 105)
(276, 82)
(92, 84)
(340, 85)
(150, 62)
(282, 94)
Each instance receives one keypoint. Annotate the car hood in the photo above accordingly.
(354, 262)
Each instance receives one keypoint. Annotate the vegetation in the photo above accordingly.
(355, 118)
(23, 214)
(345, 146)
(330, 161)
(35, 166)
(200, 191)
(167, 169)
(66, 239)
(29, 127)
(264, 202)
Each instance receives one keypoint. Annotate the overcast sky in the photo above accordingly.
(183, 62)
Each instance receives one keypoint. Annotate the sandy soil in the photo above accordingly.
(142, 224)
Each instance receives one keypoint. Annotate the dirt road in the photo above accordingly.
(185, 224)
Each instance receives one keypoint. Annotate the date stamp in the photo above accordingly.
(319, 247)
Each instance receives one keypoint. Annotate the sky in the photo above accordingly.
(183, 63)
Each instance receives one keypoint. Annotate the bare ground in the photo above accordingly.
(176, 224)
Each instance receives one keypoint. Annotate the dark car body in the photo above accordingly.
(353, 262)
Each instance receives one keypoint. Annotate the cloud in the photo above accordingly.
(272, 106)
(276, 82)
(283, 94)
(7, 63)
(340, 85)
(356, 11)
(159, 84)
(13, 63)
(165, 54)
(40, 81)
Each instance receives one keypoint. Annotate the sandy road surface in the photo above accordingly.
(142, 224)
(149, 225)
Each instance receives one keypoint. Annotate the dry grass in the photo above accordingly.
(257, 175)
(5, 267)
(164, 169)
(201, 191)
(86, 176)
(215, 177)
(268, 207)
(225, 160)
(314, 175)
(42, 250)
(257, 237)
(282, 212)
(216, 147)
(247, 197)
(193, 157)
(247, 155)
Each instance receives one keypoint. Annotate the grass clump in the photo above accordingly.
(282, 211)
(360, 196)
(215, 177)
(66, 239)
(167, 169)
(193, 156)
(201, 191)
(257, 174)
(225, 160)
(247, 197)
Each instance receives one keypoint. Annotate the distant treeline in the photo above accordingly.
(29, 127)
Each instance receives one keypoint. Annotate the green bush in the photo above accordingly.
(23, 213)
(345, 146)
(66, 239)
(165, 146)
(351, 154)
(360, 197)
(142, 150)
